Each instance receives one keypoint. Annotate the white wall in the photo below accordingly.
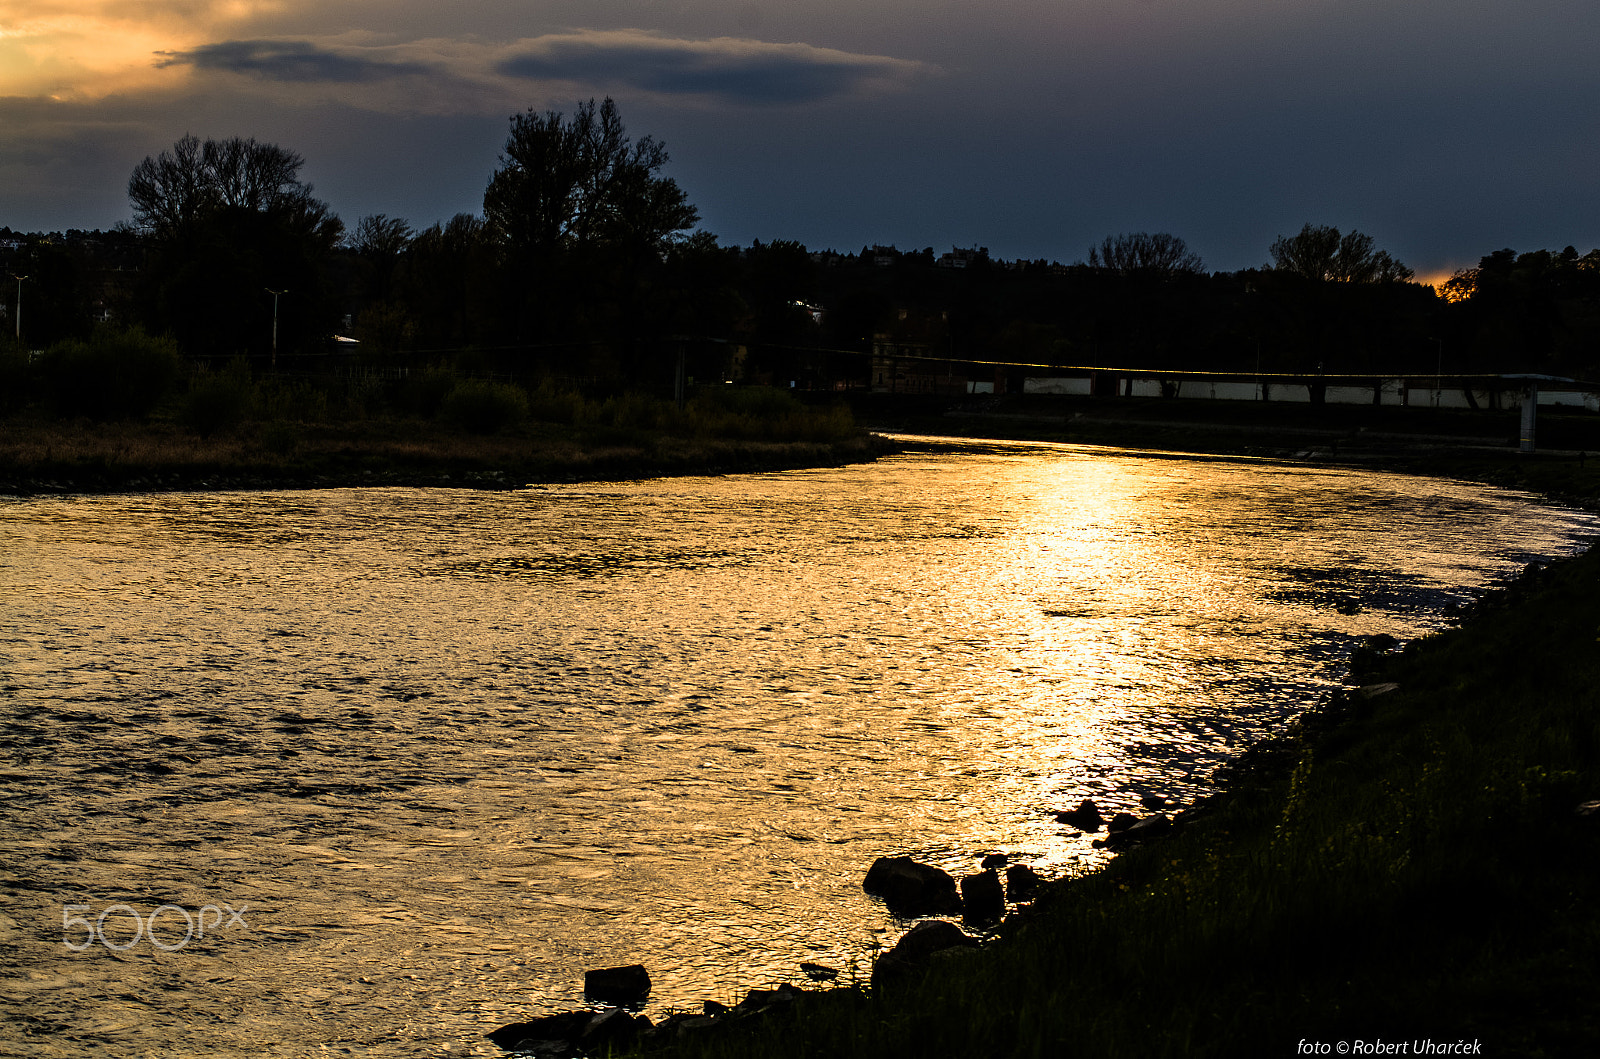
(1070, 387)
(1570, 399)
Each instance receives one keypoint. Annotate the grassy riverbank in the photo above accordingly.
(562, 438)
(1406, 868)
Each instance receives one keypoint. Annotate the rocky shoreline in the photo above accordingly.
(989, 904)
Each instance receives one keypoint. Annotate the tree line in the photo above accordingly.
(585, 262)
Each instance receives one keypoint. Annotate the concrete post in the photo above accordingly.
(1530, 414)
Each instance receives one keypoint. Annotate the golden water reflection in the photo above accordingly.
(452, 748)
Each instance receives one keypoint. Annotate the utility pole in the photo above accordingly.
(1438, 371)
(275, 294)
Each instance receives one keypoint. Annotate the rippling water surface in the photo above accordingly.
(443, 750)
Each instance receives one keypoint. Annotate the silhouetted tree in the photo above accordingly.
(447, 283)
(378, 242)
(1535, 311)
(1320, 252)
(584, 220)
(565, 184)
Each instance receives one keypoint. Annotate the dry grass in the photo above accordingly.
(105, 454)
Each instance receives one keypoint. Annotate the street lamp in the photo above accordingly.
(275, 294)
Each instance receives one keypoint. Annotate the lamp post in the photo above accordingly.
(275, 294)
(19, 309)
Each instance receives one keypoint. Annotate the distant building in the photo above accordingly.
(963, 257)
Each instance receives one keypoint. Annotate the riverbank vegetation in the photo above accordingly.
(1419, 864)
(122, 410)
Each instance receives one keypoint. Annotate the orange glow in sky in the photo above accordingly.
(88, 53)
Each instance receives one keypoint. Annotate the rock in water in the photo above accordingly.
(818, 973)
(1086, 817)
(911, 889)
(618, 985)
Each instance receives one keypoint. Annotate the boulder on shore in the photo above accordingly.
(912, 889)
(983, 900)
(572, 1033)
(914, 951)
(1022, 883)
(1121, 822)
(1137, 831)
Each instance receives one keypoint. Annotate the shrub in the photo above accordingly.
(762, 413)
(550, 405)
(217, 401)
(297, 401)
(13, 377)
(280, 438)
(481, 407)
(635, 411)
(423, 393)
(116, 374)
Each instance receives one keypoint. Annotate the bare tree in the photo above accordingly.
(172, 189)
(179, 187)
(1141, 253)
(381, 237)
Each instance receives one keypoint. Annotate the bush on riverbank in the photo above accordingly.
(118, 373)
(1407, 867)
(127, 374)
(481, 407)
(96, 415)
(217, 401)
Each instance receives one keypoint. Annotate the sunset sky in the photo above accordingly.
(1445, 129)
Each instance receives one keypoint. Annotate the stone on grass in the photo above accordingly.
(914, 951)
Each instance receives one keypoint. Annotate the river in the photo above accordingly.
(414, 759)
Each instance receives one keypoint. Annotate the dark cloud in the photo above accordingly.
(733, 71)
(289, 61)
